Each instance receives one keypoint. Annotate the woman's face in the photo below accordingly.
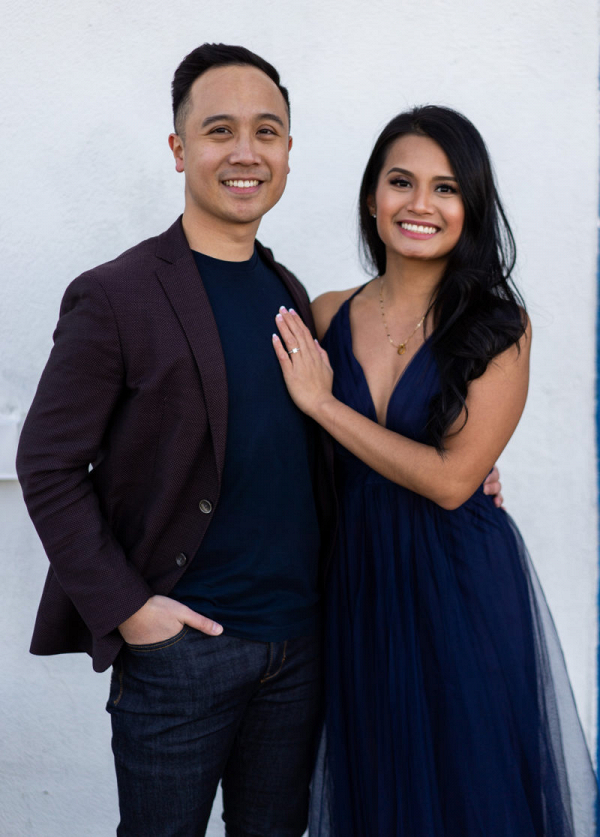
(420, 212)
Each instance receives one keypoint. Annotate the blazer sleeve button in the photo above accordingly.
(181, 559)
(205, 506)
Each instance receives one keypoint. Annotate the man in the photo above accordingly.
(188, 555)
(160, 358)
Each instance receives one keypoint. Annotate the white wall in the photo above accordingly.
(86, 172)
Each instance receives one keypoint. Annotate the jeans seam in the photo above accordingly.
(266, 674)
(120, 675)
(158, 646)
(275, 673)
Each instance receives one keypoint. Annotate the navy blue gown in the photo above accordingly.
(448, 709)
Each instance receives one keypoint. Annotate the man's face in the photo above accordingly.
(235, 146)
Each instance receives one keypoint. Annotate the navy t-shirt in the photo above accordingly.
(256, 571)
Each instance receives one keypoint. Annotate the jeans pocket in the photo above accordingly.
(158, 646)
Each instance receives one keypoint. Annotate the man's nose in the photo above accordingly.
(245, 151)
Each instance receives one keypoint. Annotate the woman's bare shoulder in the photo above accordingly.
(325, 306)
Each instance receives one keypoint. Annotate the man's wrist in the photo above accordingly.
(135, 617)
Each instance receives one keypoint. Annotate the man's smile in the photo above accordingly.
(242, 184)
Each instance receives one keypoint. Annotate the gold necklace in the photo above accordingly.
(400, 347)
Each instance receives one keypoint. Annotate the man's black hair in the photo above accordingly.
(206, 57)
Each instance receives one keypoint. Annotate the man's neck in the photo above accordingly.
(231, 243)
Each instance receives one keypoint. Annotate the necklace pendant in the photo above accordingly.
(401, 348)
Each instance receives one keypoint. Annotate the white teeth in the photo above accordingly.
(418, 228)
(241, 184)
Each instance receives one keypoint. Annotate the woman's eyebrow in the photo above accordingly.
(410, 174)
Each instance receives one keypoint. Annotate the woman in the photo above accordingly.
(448, 711)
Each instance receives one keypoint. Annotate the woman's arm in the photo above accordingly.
(495, 402)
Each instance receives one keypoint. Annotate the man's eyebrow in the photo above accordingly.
(218, 117)
(226, 117)
(410, 174)
(272, 117)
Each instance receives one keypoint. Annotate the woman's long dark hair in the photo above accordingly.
(477, 312)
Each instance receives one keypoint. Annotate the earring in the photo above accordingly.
(373, 215)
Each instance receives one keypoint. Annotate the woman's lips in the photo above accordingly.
(413, 230)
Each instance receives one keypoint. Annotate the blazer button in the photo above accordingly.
(205, 506)
(181, 559)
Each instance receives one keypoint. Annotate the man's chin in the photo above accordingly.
(249, 214)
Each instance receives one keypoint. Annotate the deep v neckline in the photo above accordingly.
(409, 365)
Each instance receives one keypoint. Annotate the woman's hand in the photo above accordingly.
(305, 365)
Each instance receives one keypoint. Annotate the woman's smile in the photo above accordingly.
(414, 230)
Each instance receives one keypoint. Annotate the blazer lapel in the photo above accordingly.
(180, 280)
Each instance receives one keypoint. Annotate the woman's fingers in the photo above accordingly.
(280, 351)
(293, 332)
(296, 322)
(304, 364)
(322, 353)
(283, 325)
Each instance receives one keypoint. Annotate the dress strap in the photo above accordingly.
(343, 311)
(358, 290)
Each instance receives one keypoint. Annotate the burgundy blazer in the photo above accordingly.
(135, 386)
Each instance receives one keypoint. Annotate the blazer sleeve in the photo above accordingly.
(62, 434)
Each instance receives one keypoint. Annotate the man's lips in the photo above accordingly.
(413, 229)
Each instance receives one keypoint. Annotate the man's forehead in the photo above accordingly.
(237, 90)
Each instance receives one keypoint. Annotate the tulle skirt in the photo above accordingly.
(449, 712)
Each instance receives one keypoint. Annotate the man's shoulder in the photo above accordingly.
(267, 255)
(137, 262)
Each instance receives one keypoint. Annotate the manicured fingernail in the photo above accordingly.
(216, 628)
(292, 311)
(282, 308)
(279, 317)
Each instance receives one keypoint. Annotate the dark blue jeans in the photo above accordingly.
(195, 709)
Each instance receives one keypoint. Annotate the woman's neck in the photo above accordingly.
(412, 284)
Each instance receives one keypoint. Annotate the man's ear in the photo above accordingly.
(176, 146)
